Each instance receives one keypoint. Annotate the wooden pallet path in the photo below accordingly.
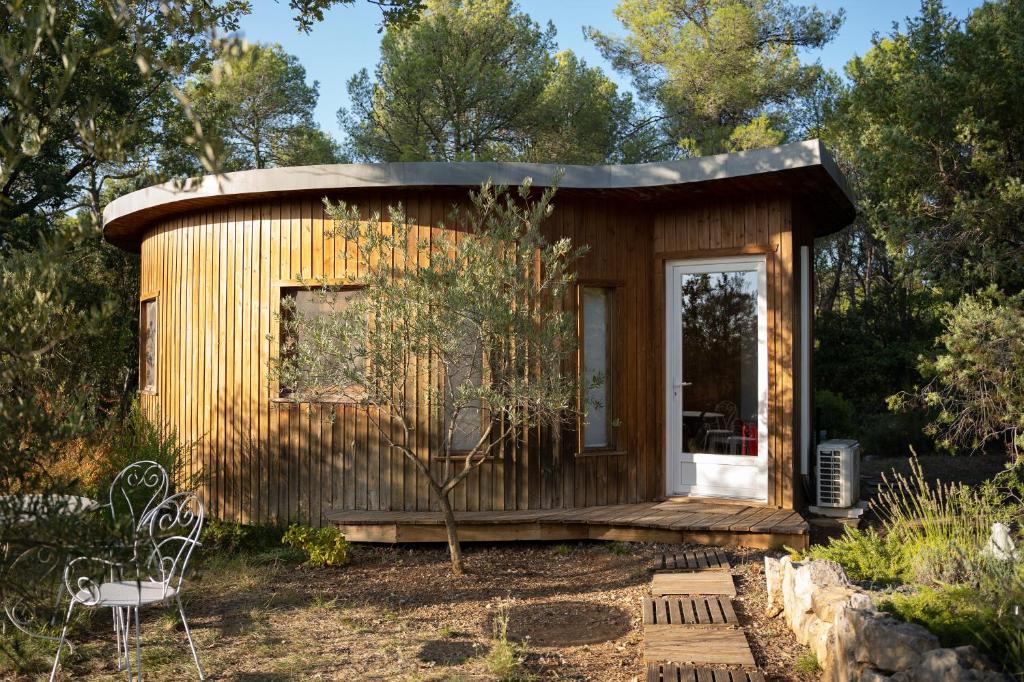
(690, 626)
(672, 672)
(699, 610)
(710, 559)
(704, 582)
(695, 522)
(697, 646)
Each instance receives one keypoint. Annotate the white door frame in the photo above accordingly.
(748, 475)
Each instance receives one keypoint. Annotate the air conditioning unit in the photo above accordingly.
(838, 473)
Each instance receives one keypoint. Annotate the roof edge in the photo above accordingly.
(134, 208)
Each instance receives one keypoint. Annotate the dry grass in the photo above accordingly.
(568, 612)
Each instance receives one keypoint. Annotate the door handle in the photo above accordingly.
(678, 385)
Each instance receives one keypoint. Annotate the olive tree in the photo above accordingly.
(479, 310)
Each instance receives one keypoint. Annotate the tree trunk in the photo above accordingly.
(450, 526)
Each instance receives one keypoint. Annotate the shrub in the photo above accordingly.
(953, 614)
(140, 439)
(325, 546)
(835, 414)
(225, 537)
(977, 378)
(863, 554)
(891, 434)
(807, 663)
(506, 658)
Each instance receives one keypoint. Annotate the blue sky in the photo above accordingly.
(347, 40)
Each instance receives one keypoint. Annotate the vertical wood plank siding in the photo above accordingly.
(756, 224)
(218, 275)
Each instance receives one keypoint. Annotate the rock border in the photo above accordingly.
(854, 641)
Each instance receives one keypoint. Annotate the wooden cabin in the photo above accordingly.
(695, 298)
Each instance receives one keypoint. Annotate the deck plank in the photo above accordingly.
(649, 521)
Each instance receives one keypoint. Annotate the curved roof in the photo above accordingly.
(803, 169)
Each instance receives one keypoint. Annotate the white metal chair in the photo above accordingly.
(717, 438)
(134, 492)
(172, 533)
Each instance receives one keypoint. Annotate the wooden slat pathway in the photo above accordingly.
(691, 631)
(694, 522)
(681, 610)
(672, 672)
(695, 582)
(710, 559)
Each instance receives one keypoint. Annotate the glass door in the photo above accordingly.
(717, 378)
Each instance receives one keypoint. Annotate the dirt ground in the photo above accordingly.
(399, 614)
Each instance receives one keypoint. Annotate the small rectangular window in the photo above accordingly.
(147, 346)
(596, 366)
(310, 303)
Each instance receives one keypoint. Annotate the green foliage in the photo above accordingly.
(954, 614)
(977, 378)
(139, 439)
(325, 546)
(807, 663)
(835, 414)
(721, 73)
(933, 539)
(226, 537)
(863, 554)
(85, 87)
(258, 110)
(868, 343)
(394, 12)
(933, 126)
(889, 434)
(505, 659)
(478, 80)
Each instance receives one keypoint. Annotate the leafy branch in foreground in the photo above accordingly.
(466, 325)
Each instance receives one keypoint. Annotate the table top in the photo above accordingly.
(56, 504)
(696, 414)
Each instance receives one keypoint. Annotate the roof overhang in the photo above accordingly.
(800, 169)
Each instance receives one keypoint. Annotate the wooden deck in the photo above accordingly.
(706, 523)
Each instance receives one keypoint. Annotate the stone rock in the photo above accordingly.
(818, 636)
(827, 601)
(1000, 544)
(963, 664)
(773, 580)
(892, 645)
(808, 578)
(841, 665)
(872, 675)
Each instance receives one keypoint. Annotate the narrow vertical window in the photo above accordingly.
(147, 346)
(596, 374)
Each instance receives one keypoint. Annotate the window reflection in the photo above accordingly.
(719, 360)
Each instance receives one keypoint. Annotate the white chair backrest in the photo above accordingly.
(136, 490)
(174, 527)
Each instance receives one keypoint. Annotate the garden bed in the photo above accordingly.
(398, 613)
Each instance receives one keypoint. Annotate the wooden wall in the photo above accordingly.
(755, 224)
(217, 275)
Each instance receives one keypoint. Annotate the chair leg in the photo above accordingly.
(116, 617)
(60, 642)
(125, 621)
(138, 646)
(188, 633)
